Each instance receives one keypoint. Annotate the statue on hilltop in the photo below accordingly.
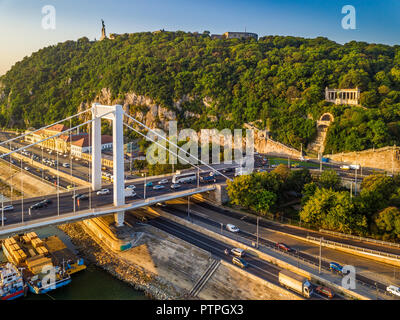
(103, 30)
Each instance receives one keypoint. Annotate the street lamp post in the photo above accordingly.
(222, 225)
(144, 186)
(258, 218)
(320, 254)
(188, 209)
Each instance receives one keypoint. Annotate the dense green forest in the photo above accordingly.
(278, 80)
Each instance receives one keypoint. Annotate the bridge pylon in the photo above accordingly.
(114, 113)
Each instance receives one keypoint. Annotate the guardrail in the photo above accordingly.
(349, 236)
(338, 244)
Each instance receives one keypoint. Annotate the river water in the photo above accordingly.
(92, 283)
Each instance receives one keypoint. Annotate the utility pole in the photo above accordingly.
(198, 177)
(320, 162)
(221, 226)
(320, 254)
(258, 218)
(144, 186)
(355, 182)
(351, 190)
(188, 209)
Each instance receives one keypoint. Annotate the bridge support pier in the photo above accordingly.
(114, 113)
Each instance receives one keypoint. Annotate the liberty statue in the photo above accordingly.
(103, 30)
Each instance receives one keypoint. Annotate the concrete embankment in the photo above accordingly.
(166, 267)
(21, 181)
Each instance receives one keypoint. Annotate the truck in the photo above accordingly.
(295, 282)
(129, 192)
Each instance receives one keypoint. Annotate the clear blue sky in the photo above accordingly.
(21, 33)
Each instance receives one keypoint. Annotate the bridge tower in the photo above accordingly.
(114, 113)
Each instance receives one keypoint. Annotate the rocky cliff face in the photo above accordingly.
(142, 108)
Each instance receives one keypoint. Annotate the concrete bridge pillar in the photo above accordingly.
(118, 161)
(114, 113)
(96, 149)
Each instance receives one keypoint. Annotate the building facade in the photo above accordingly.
(83, 145)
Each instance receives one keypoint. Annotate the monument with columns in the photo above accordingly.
(343, 96)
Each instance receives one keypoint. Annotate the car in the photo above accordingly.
(333, 266)
(161, 204)
(240, 262)
(102, 192)
(325, 291)
(214, 173)
(7, 208)
(37, 206)
(82, 197)
(27, 168)
(46, 202)
(132, 186)
(393, 290)
(65, 165)
(226, 170)
(69, 187)
(149, 184)
(344, 167)
(232, 228)
(76, 195)
(175, 186)
(284, 247)
(238, 252)
(158, 187)
(163, 181)
(4, 219)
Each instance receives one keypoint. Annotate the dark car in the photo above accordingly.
(325, 291)
(77, 195)
(284, 247)
(82, 197)
(208, 179)
(46, 202)
(226, 170)
(37, 206)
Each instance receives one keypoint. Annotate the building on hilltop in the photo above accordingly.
(343, 96)
(239, 35)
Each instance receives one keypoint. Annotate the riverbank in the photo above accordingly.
(97, 253)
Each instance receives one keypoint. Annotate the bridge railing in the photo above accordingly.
(349, 236)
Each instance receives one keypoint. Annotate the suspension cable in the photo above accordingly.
(48, 126)
(160, 136)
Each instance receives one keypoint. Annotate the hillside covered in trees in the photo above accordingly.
(277, 80)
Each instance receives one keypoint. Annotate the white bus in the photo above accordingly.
(184, 177)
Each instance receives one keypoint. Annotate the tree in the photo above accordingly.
(333, 210)
(388, 222)
(329, 179)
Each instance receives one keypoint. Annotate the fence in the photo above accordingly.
(349, 236)
(338, 244)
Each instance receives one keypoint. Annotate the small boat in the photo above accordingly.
(11, 282)
(42, 283)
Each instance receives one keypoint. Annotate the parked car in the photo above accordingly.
(158, 187)
(336, 267)
(393, 290)
(102, 192)
(240, 262)
(284, 247)
(163, 181)
(327, 292)
(238, 252)
(175, 186)
(232, 228)
(7, 208)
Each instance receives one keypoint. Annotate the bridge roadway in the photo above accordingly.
(258, 267)
(64, 212)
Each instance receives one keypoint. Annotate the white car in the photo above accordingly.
(102, 192)
(132, 186)
(393, 290)
(158, 187)
(163, 181)
(238, 252)
(175, 186)
(27, 168)
(232, 228)
(66, 165)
